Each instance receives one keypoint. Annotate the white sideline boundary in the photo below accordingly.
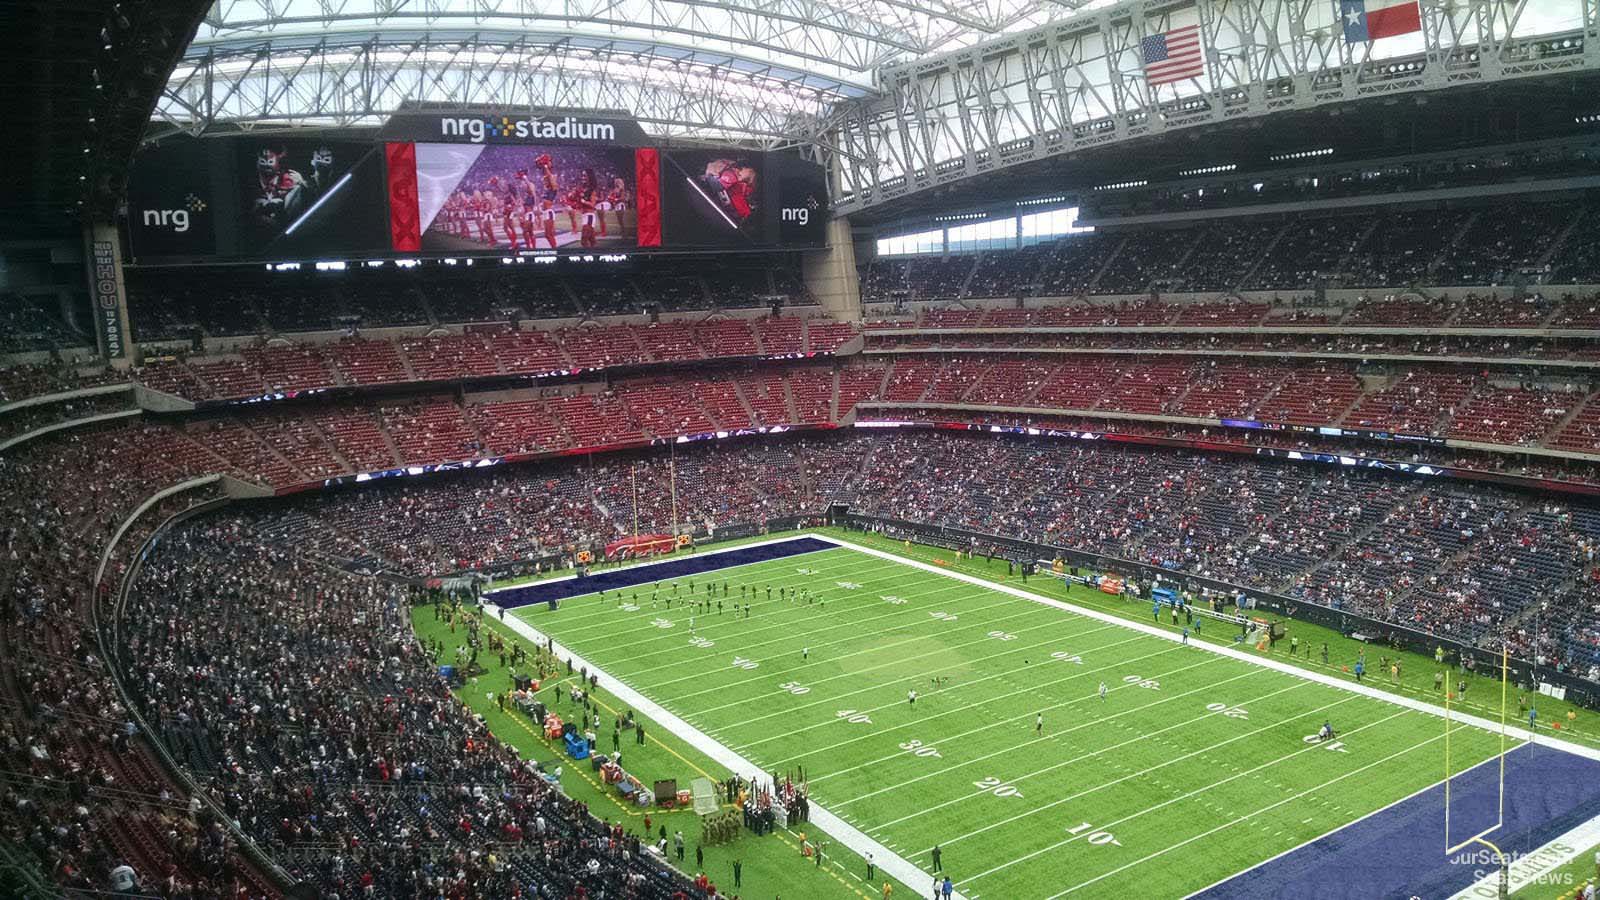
(1265, 662)
(1530, 864)
(1528, 869)
(1350, 824)
(887, 860)
(895, 865)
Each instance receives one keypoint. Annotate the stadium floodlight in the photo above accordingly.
(1301, 154)
(1208, 170)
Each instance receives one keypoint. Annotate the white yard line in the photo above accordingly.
(821, 660)
(947, 739)
(1346, 825)
(645, 564)
(901, 869)
(595, 614)
(1023, 746)
(946, 712)
(887, 860)
(1250, 815)
(1521, 734)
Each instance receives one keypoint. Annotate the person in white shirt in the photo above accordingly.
(124, 879)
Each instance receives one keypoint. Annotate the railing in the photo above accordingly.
(108, 634)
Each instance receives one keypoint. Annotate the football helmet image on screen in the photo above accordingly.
(308, 196)
(715, 198)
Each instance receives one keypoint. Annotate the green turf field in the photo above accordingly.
(1192, 765)
(772, 866)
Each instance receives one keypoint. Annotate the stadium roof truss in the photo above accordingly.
(764, 71)
(1078, 83)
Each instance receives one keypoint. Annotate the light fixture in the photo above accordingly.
(1208, 170)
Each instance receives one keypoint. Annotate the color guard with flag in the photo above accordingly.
(1172, 55)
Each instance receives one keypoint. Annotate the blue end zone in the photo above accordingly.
(526, 595)
(1399, 852)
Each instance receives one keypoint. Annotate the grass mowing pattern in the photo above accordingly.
(1150, 788)
(772, 866)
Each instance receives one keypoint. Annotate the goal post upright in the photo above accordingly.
(1482, 837)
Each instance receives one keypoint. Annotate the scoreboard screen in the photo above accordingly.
(462, 185)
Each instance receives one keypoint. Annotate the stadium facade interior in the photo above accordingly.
(1098, 448)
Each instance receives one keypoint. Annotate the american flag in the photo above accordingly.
(1172, 55)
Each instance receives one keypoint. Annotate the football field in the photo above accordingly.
(1047, 753)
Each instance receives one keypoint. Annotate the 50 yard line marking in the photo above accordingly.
(895, 663)
(891, 705)
(941, 714)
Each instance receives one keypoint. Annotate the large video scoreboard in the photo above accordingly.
(460, 184)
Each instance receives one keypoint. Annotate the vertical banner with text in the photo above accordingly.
(106, 291)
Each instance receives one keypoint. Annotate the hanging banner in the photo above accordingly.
(105, 292)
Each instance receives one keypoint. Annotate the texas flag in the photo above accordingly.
(1368, 20)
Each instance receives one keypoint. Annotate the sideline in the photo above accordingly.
(905, 872)
(1524, 871)
(890, 862)
(1519, 733)
(1532, 868)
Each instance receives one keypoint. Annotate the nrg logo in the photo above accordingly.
(799, 214)
(175, 219)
